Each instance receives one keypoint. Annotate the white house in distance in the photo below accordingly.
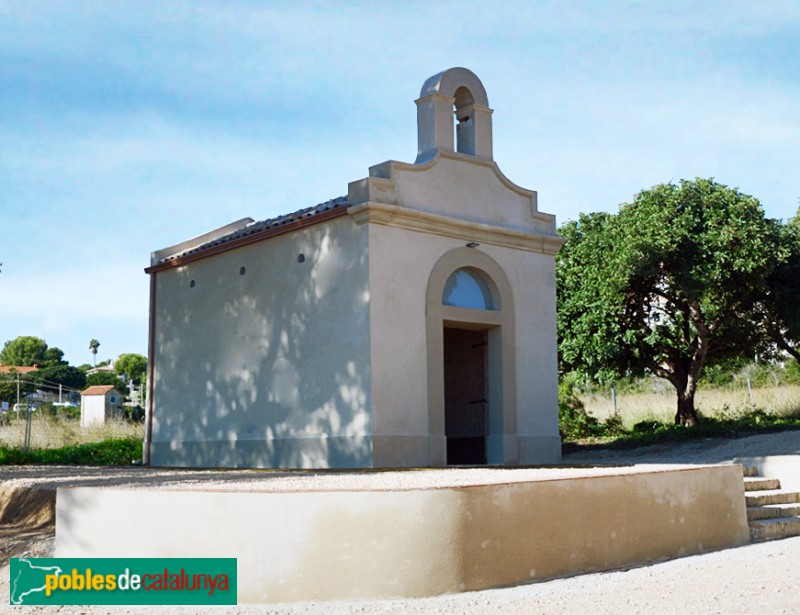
(100, 403)
(409, 323)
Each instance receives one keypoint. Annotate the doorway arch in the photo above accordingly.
(482, 318)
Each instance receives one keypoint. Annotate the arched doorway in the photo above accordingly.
(470, 361)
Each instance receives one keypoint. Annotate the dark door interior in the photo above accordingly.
(465, 396)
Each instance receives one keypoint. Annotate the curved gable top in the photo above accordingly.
(448, 81)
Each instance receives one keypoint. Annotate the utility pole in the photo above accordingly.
(17, 395)
(28, 417)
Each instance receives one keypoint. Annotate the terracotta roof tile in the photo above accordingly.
(265, 225)
(20, 369)
(98, 389)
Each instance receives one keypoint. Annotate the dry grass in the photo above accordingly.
(633, 408)
(47, 432)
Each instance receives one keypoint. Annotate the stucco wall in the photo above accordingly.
(269, 368)
(398, 281)
(328, 545)
(533, 279)
(465, 188)
(401, 261)
(93, 410)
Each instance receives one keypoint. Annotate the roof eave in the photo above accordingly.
(255, 237)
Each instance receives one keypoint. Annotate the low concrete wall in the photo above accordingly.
(324, 545)
(783, 467)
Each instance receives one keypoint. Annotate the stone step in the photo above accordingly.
(749, 470)
(775, 496)
(770, 529)
(759, 483)
(772, 511)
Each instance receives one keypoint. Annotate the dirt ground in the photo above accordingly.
(757, 578)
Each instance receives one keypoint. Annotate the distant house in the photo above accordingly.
(100, 403)
(17, 369)
(102, 369)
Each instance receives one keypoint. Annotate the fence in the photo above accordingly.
(660, 405)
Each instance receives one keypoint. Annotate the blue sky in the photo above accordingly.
(126, 127)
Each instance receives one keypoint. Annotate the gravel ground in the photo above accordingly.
(758, 578)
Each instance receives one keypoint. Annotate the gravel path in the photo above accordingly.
(758, 578)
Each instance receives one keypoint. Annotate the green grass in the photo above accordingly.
(110, 452)
(722, 414)
(660, 433)
(660, 406)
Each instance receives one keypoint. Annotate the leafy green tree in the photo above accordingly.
(25, 350)
(780, 308)
(105, 378)
(53, 356)
(589, 336)
(66, 375)
(133, 365)
(8, 386)
(666, 286)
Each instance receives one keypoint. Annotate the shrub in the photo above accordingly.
(793, 372)
(133, 414)
(647, 427)
(113, 452)
(573, 421)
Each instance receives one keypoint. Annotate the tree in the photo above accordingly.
(133, 365)
(589, 338)
(25, 350)
(666, 286)
(10, 381)
(93, 346)
(779, 309)
(66, 375)
(53, 356)
(104, 378)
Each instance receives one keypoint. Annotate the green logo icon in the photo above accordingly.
(109, 581)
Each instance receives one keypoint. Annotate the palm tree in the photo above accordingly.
(93, 346)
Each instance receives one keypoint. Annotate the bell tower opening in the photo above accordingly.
(455, 90)
(465, 121)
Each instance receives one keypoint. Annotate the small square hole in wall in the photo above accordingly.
(301, 258)
(242, 270)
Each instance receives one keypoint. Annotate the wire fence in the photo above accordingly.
(661, 405)
(38, 430)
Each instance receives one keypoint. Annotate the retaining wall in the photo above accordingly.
(327, 545)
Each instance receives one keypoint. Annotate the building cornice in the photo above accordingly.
(405, 218)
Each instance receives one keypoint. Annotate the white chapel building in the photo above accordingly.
(411, 323)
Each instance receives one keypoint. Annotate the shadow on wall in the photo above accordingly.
(262, 355)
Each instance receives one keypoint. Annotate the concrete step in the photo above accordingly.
(772, 511)
(770, 529)
(749, 471)
(774, 496)
(759, 483)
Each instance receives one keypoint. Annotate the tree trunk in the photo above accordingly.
(686, 415)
